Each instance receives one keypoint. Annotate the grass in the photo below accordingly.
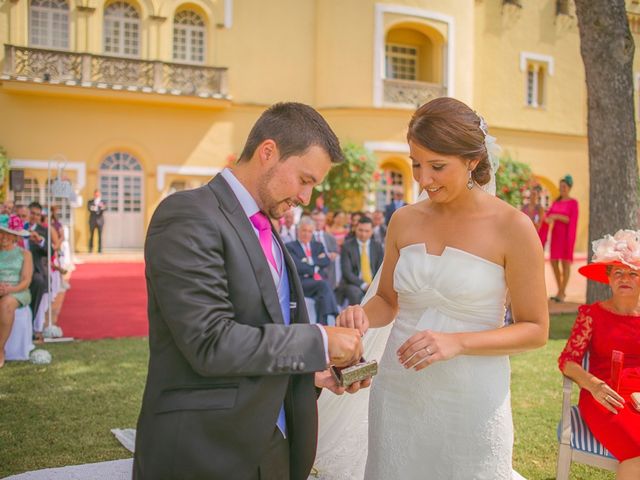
(61, 414)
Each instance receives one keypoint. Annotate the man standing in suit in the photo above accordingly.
(311, 262)
(360, 259)
(288, 230)
(396, 203)
(234, 364)
(96, 219)
(379, 227)
(329, 243)
(37, 245)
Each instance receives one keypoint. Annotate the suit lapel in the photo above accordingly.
(232, 210)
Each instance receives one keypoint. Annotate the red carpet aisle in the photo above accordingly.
(106, 300)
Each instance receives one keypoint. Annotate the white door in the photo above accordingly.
(121, 179)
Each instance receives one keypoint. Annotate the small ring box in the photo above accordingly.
(355, 373)
(635, 398)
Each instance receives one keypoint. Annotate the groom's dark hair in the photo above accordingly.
(294, 127)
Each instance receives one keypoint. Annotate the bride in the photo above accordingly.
(440, 406)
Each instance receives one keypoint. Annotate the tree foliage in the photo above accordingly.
(4, 172)
(512, 179)
(349, 178)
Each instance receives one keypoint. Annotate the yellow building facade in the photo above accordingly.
(139, 98)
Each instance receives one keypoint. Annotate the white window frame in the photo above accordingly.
(125, 24)
(530, 64)
(379, 46)
(191, 32)
(50, 16)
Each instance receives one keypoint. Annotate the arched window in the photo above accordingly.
(49, 24)
(122, 30)
(189, 37)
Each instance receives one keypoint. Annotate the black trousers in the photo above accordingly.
(37, 287)
(93, 228)
(352, 293)
(324, 297)
(275, 465)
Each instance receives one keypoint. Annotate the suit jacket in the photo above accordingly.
(390, 209)
(95, 212)
(221, 359)
(304, 268)
(38, 253)
(350, 260)
(330, 246)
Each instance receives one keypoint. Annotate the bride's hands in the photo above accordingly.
(353, 317)
(427, 347)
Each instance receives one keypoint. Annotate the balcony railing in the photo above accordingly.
(411, 93)
(117, 73)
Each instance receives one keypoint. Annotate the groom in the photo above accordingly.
(233, 365)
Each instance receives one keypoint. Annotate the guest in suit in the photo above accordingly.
(329, 243)
(37, 245)
(360, 259)
(379, 227)
(288, 229)
(396, 203)
(96, 219)
(234, 364)
(311, 262)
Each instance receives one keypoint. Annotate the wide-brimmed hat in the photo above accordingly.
(621, 249)
(8, 224)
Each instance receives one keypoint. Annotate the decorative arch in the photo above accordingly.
(213, 10)
(549, 187)
(394, 172)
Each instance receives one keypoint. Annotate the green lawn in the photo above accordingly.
(62, 414)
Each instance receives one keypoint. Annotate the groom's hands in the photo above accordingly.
(345, 346)
(326, 380)
(354, 316)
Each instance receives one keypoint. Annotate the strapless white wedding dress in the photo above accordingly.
(451, 420)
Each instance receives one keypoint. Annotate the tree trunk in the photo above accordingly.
(607, 50)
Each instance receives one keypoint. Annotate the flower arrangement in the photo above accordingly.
(513, 178)
(623, 246)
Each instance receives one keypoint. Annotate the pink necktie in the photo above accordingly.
(262, 223)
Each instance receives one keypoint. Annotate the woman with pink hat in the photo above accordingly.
(609, 332)
(16, 268)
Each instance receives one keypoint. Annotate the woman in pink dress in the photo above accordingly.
(562, 218)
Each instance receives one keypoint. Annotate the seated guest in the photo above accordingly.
(311, 262)
(360, 259)
(288, 229)
(338, 227)
(329, 243)
(15, 276)
(601, 328)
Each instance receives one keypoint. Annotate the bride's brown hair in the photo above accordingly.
(449, 127)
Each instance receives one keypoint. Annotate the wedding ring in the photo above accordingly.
(428, 349)
(607, 398)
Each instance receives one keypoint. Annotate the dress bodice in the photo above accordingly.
(11, 265)
(458, 284)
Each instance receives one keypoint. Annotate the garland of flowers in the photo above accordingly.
(513, 178)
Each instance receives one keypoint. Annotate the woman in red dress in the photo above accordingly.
(562, 218)
(601, 328)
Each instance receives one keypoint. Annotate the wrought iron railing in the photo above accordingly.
(88, 70)
(408, 92)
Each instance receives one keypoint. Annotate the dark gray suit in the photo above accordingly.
(350, 263)
(221, 359)
(331, 246)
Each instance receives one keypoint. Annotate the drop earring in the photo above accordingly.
(470, 182)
